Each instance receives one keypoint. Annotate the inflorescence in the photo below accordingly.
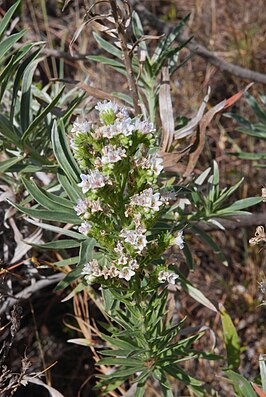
(120, 198)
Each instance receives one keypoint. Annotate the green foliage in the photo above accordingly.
(27, 110)
(145, 343)
(146, 67)
(231, 340)
(254, 129)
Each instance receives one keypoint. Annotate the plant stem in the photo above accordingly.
(127, 60)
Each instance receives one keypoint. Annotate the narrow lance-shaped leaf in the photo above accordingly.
(231, 340)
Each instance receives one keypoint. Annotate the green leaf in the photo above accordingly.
(168, 40)
(241, 204)
(200, 179)
(57, 229)
(209, 241)
(126, 362)
(252, 156)
(63, 154)
(87, 251)
(124, 97)
(138, 31)
(231, 340)
(262, 365)
(227, 193)
(121, 343)
(56, 216)
(70, 277)
(107, 46)
(72, 190)
(6, 164)
(140, 390)
(109, 300)
(48, 201)
(67, 262)
(7, 17)
(18, 76)
(241, 385)
(8, 43)
(261, 115)
(188, 255)
(80, 287)
(108, 61)
(123, 373)
(9, 131)
(57, 245)
(26, 98)
(195, 293)
(37, 120)
(109, 385)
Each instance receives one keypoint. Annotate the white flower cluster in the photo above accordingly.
(85, 227)
(136, 238)
(98, 149)
(169, 277)
(82, 127)
(153, 164)
(83, 206)
(106, 107)
(123, 124)
(93, 180)
(92, 270)
(112, 155)
(147, 199)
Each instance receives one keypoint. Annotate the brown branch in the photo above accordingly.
(127, 60)
(236, 222)
(197, 48)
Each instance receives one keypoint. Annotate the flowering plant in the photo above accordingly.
(122, 199)
(125, 215)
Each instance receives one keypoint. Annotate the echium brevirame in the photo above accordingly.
(122, 199)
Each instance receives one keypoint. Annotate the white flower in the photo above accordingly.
(129, 236)
(93, 180)
(125, 126)
(141, 243)
(85, 227)
(170, 277)
(144, 127)
(91, 267)
(80, 127)
(156, 164)
(179, 240)
(135, 238)
(126, 273)
(147, 199)
(81, 207)
(106, 107)
(133, 264)
(112, 155)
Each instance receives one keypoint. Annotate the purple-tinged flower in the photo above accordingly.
(85, 227)
(93, 180)
(112, 155)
